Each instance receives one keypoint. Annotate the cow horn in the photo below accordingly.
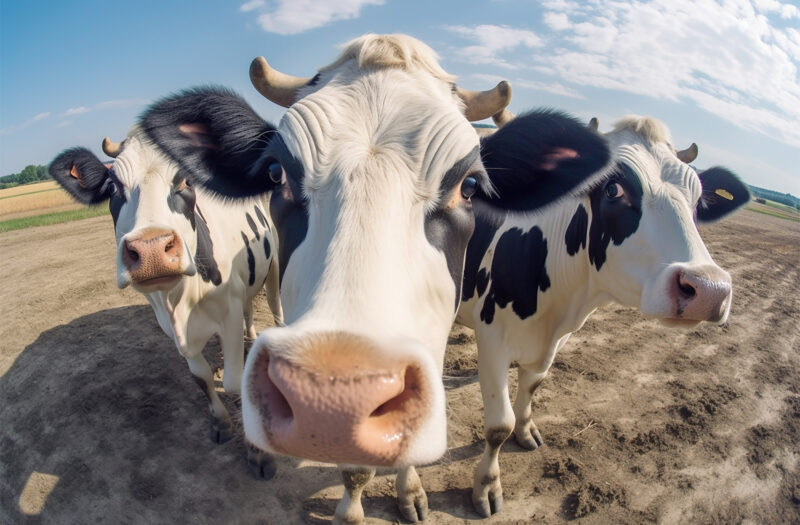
(483, 104)
(502, 117)
(110, 148)
(689, 154)
(594, 124)
(277, 87)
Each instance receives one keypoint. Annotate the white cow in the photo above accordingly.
(377, 169)
(530, 282)
(198, 260)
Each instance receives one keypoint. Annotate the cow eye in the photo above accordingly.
(113, 189)
(275, 171)
(614, 190)
(468, 187)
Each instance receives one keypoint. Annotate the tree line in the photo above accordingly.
(784, 198)
(29, 174)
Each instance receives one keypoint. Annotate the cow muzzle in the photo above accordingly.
(339, 398)
(153, 258)
(701, 293)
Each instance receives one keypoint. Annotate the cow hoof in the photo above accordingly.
(414, 506)
(348, 513)
(261, 464)
(528, 436)
(489, 499)
(220, 432)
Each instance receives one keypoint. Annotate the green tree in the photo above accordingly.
(28, 174)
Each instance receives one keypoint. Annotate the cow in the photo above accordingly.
(376, 172)
(530, 282)
(199, 261)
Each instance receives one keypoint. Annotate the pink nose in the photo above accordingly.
(701, 293)
(152, 254)
(340, 403)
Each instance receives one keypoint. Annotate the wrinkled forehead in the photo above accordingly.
(141, 162)
(396, 118)
(655, 163)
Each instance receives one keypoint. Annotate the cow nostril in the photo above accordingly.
(131, 254)
(398, 404)
(277, 404)
(686, 289)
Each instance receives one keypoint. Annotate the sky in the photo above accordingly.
(721, 73)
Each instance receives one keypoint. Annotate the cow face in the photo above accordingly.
(643, 239)
(161, 236)
(376, 169)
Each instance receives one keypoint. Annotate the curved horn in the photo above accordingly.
(502, 117)
(277, 87)
(594, 124)
(110, 148)
(689, 154)
(484, 104)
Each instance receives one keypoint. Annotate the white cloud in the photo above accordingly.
(491, 40)
(554, 87)
(736, 59)
(41, 116)
(249, 6)
(64, 124)
(289, 17)
(75, 111)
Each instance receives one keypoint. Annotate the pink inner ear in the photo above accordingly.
(199, 135)
(552, 159)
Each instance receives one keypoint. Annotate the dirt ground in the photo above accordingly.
(100, 421)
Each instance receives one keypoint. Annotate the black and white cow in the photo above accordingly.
(376, 170)
(530, 282)
(198, 260)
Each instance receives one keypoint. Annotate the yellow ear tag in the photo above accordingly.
(724, 194)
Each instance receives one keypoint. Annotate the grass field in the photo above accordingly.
(32, 199)
(58, 217)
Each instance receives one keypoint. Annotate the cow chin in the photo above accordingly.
(341, 400)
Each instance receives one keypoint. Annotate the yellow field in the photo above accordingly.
(34, 199)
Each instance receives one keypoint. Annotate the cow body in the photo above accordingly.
(375, 170)
(530, 282)
(198, 260)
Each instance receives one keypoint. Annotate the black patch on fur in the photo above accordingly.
(522, 161)
(575, 238)
(314, 80)
(291, 222)
(251, 261)
(614, 219)
(518, 273)
(204, 255)
(267, 248)
(717, 182)
(183, 201)
(92, 184)
(253, 226)
(485, 230)
(223, 149)
(261, 218)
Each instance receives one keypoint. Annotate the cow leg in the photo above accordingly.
(525, 430)
(249, 328)
(274, 293)
(498, 418)
(232, 352)
(411, 497)
(221, 429)
(349, 510)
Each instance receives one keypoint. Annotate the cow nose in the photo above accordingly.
(341, 403)
(702, 293)
(152, 253)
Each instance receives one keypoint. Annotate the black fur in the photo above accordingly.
(712, 205)
(183, 202)
(251, 261)
(91, 186)
(485, 230)
(517, 274)
(516, 158)
(252, 224)
(204, 255)
(226, 156)
(575, 237)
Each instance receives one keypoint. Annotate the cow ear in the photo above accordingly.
(539, 157)
(82, 174)
(216, 137)
(723, 192)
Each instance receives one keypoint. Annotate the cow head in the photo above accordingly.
(642, 234)
(377, 169)
(161, 235)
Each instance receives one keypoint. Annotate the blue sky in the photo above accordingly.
(722, 73)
